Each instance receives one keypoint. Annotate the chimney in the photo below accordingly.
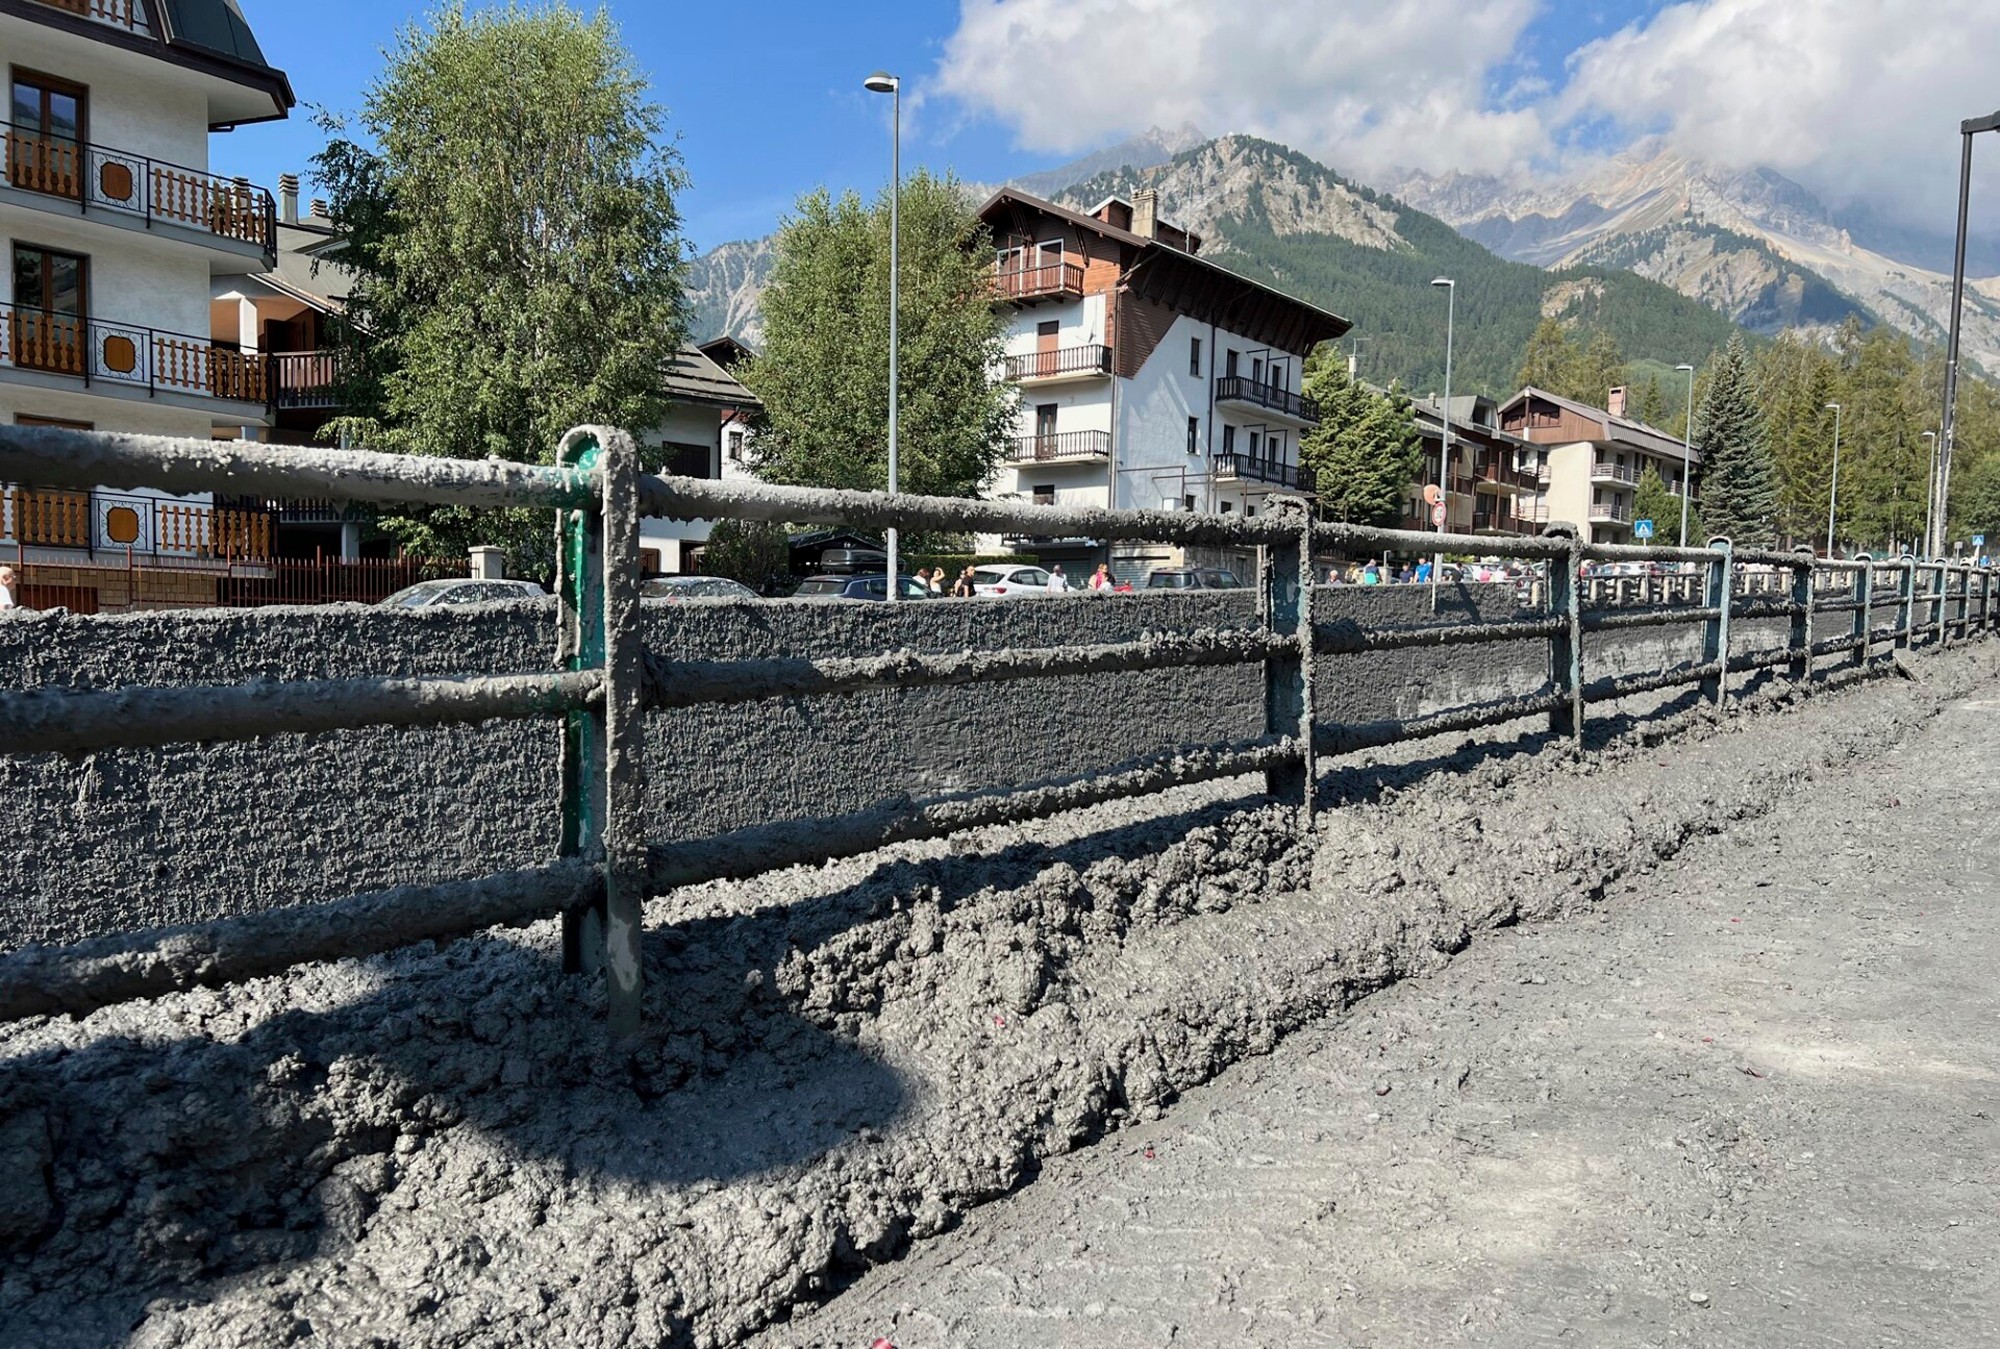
(1615, 404)
(319, 208)
(288, 198)
(1146, 213)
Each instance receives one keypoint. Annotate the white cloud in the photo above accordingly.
(1860, 100)
(1367, 83)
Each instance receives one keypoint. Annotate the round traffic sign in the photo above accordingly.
(1437, 515)
(1433, 494)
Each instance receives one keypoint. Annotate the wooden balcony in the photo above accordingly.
(104, 352)
(121, 523)
(1031, 285)
(137, 190)
(309, 380)
(1078, 446)
(1060, 363)
(127, 14)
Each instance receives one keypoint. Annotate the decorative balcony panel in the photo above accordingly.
(1242, 467)
(127, 14)
(103, 351)
(99, 178)
(120, 522)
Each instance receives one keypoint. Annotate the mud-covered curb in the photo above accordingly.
(432, 1148)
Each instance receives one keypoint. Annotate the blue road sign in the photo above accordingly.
(1978, 540)
(1642, 529)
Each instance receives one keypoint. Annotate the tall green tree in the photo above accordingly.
(508, 199)
(1739, 486)
(823, 372)
(1653, 500)
(1364, 453)
(1650, 405)
(1546, 360)
(1797, 380)
(1594, 371)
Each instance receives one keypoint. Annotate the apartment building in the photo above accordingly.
(1497, 480)
(117, 231)
(1595, 459)
(1150, 377)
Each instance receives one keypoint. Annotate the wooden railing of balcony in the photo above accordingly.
(47, 519)
(1060, 445)
(93, 349)
(117, 13)
(99, 177)
(1083, 360)
(1031, 283)
(306, 379)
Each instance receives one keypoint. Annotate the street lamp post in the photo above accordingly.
(1941, 489)
(881, 82)
(1833, 492)
(1687, 454)
(1444, 452)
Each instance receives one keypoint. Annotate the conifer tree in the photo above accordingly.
(1651, 404)
(1365, 452)
(1546, 360)
(1594, 372)
(1738, 484)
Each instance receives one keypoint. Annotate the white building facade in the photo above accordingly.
(116, 232)
(1150, 377)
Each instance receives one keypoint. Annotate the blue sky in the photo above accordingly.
(1856, 100)
(765, 96)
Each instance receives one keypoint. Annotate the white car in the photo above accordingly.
(1015, 581)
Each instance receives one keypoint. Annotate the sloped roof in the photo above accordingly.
(692, 377)
(1628, 429)
(209, 36)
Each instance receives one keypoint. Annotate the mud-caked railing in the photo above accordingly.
(605, 681)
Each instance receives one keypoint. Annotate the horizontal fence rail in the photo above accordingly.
(606, 681)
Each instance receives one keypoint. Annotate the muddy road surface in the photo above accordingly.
(1753, 1099)
(1689, 1035)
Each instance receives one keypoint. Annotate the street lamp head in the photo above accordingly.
(1685, 369)
(1930, 435)
(1444, 281)
(881, 82)
(1833, 407)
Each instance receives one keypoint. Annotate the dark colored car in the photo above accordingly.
(874, 587)
(1192, 578)
(695, 588)
(462, 590)
(853, 561)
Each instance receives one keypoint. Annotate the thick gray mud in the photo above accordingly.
(433, 1148)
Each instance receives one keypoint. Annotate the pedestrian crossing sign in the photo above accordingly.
(1642, 529)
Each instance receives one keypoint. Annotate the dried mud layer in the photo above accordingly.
(434, 1148)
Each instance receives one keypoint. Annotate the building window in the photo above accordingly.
(1597, 496)
(49, 293)
(1250, 511)
(1229, 440)
(1045, 494)
(736, 447)
(1227, 507)
(48, 123)
(687, 461)
(1229, 366)
(1187, 502)
(1194, 357)
(1045, 421)
(1256, 445)
(1194, 435)
(1256, 369)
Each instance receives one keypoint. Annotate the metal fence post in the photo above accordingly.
(1715, 631)
(1964, 620)
(603, 775)
(1985, 598)
(1801, 636)
(1286, 602)
(1864, 613)
(1939, 589)
(1565, 600)
(1906, 602)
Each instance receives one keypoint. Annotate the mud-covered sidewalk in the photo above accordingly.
(434, 1148)
(1753, 1100)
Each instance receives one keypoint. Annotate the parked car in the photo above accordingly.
(874, 587)
(1192, 578)
(1013, 580)
(853, 561)
(461, 590)
(695, 588)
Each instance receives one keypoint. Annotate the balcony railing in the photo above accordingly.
(1086, 360)
(306, 379)
(1611, 514)
(1506, 475)
(1236, 388)
(1060, 445)
(1502, 521)
(1240, 466)
(126, 14)
(1611, 472)
(98, 178)
(114, 521)
(1054, 280)
(102, 351)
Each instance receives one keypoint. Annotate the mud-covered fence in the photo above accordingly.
(606, 681)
